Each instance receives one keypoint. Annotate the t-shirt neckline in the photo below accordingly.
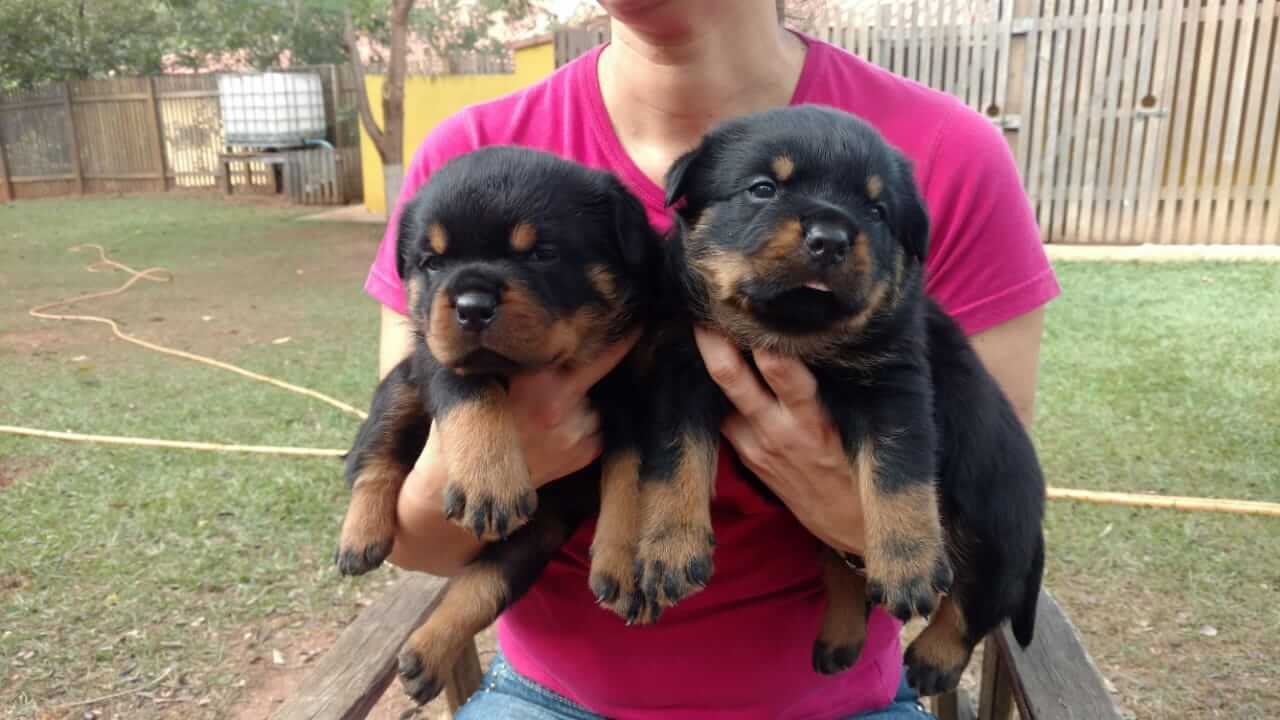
(649, 192)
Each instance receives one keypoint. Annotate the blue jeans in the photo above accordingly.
(507, 695)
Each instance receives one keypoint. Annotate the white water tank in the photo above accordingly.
(271, 109)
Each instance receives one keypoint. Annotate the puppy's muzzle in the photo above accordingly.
(827, 243)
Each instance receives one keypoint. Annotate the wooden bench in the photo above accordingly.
(1053, 679)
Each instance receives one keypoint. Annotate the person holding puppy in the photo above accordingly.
(741, 647)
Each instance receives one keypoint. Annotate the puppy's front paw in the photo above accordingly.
(368, 530)
(421, 674)
(672, 563)
(908, 584)
(490, 509)
(614, 582)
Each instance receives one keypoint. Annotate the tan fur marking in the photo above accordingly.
(723, 272)
(523, 237)
(783, 168)
(845, 620)
(415, 293)
(371, 513)
(904, 533)
(484, 458)
(439, 238)
(783, 244)
(604, 282)
(875, 185)
(613, 549)
(942, 643)
(862, 264)
(471, 603)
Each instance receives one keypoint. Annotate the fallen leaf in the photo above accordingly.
(281, 340)
(1106, 530)
(277, 657)
(80, 358)
(1209, 631)
(206, 318)
(198, 621)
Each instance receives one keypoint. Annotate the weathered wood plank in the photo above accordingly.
(6, 181)
(1021, 78)
(1053, 118)
(954, 705)
(73, 136)
(1097, 120)
(1124, 171)
(1068, 112)
(995, 698)
(1268, 141)
(1231, 218)
(1198, 212)
(1158, 128)
(348, 680)
(1210, 212)
(1175, 220)
(1078, 107)
(1255, 166)
(1054, 678)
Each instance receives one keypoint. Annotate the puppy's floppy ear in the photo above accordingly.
(410, 230)
(913, 215)
(680, 174)
(635, 237)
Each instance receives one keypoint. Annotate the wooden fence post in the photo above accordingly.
(1016, 110)
(4, 168)
(157, 129)
(73, 137)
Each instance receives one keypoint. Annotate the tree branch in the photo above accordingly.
(362, 92)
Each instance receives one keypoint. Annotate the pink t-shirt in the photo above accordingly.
(742, 647)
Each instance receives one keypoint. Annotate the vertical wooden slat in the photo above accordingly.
(1020, 80)
(1125, 103)
(1159, 125)
(1078, 107)
(1260, 128)
(1055, 71)
(1201, 111)
(1094, 156)
(1143, 85)
(1175, 219)
(1211, 208)
(964, 43)
(995, 699)
(5, 176)
(73, 137)
(1075, 12)
(157, 132)
(1268, 145)
(1028, 158)
(1231, 218)
(1249, 124)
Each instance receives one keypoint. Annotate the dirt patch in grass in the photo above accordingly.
(274, 668)
(16, 467)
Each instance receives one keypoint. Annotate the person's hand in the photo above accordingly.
(786, 438)
(559, 430)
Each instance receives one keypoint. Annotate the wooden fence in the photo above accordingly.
(1132, 121)
(148, 134)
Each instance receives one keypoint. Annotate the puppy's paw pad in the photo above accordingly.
(419, 680)
(613, 579)
(359, 559)
(673, 564)
(832, 659)
(928, 678)
(904, 599)
(490, 513)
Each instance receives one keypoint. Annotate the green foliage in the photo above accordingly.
(54, 40)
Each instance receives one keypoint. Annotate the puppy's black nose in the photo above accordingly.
(476, 310)
(827, 243)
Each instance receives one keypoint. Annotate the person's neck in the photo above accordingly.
(663, 92)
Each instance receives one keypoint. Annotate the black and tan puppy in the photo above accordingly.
(803, 232)
(513, 260)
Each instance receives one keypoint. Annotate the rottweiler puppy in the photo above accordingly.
(803, 232)
(513, 260)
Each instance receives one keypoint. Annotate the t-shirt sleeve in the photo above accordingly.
(986, 262)
(451, 138)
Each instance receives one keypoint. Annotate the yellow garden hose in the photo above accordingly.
(1191, 504)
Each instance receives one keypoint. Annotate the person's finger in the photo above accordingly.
(730, 371)
(742, 436)
(793, 384)
(581, 378)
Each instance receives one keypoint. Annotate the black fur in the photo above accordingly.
(593, 223)
(905, 378)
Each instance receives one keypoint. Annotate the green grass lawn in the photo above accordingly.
(117, 564)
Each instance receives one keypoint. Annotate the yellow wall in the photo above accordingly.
(429, 100)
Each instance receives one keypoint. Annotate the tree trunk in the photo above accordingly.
(392, 180)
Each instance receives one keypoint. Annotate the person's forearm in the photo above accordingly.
(426, 541)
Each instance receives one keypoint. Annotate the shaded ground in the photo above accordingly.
(175, 578)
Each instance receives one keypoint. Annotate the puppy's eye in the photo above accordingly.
(432, 263)
(879, 212)
(543, 253)
(763, 190)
